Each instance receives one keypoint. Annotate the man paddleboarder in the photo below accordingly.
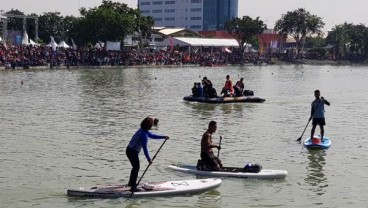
(318, 113)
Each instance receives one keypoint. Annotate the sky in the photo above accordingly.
(332, 12)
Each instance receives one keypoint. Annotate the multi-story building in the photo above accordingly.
(197, 15)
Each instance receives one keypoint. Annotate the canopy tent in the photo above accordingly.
(99, 45)
(205, 42)
(31, 42)
(62, 44)
(1, 39)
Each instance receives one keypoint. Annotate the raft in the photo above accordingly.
(242, 99)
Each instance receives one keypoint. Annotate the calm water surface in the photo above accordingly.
(64, 129)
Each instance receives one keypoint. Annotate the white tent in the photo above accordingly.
(62, 44)
(1, 39)
(99, 45)
(31, 42)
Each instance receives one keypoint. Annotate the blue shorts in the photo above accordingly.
(318, 121)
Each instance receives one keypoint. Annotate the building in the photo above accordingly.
(196, 15)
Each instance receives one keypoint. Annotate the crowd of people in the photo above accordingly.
(12, 57)
(206, 89)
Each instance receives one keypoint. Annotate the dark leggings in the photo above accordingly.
(134, 161)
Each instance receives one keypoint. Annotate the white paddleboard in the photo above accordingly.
(231, 172)
(166, 188)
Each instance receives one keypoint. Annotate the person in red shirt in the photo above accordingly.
(228, 89)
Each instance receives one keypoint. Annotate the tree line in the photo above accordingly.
(113, 21)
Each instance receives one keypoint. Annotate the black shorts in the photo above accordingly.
(318, 121)
(210, 159)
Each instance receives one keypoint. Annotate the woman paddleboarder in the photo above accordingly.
(139, 141)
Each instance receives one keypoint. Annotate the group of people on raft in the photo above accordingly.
(206, 89)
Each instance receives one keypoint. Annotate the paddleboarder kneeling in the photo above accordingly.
(138, 142)
(318, 113)
(209, 160)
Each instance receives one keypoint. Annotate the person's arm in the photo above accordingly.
(312, 112)
(325, 101)
(155, 136)
(145, 149)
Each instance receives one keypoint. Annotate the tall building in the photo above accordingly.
(197, 15)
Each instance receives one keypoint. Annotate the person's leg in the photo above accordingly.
(313, 129)
(322, 132)
(134, 161)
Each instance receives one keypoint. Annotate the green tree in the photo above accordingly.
(349, 39)
(299, 24)
(110, 21)
(245, 30)
(340, 37)
(31, 25)
(50, 24)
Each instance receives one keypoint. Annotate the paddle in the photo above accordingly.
(314, 110)
(148, 166)
(218, 152)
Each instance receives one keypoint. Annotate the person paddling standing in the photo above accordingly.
(318, 113)
(139, 141)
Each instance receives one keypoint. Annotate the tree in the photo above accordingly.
(299, 24)
(349, 39)
(245, 30)
(111, 21)
(50, 24)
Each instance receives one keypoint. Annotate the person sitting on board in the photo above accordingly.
(228, 89)
(318, 113)
(209, 160)
(197, 90)
(238, 88)
(139, 141)
(208, 89)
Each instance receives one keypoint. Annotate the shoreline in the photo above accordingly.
(272, 62)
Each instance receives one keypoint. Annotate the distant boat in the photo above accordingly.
(242, 99)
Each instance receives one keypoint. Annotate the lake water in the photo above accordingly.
(64, 129)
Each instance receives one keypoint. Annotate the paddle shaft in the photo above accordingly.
(148, 166)
(314, 111)
(218, 152)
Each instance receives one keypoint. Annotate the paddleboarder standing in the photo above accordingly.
(318, 113)
(139, 141)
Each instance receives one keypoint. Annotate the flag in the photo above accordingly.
(171, 43)
(25, 40)
(53, 44)
(74, 45)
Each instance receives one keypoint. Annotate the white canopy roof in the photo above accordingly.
(200, 42)
(62, 44)
(31, 42)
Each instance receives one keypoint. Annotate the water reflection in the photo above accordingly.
(315, 174)
(209, 109)
(210, 198)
